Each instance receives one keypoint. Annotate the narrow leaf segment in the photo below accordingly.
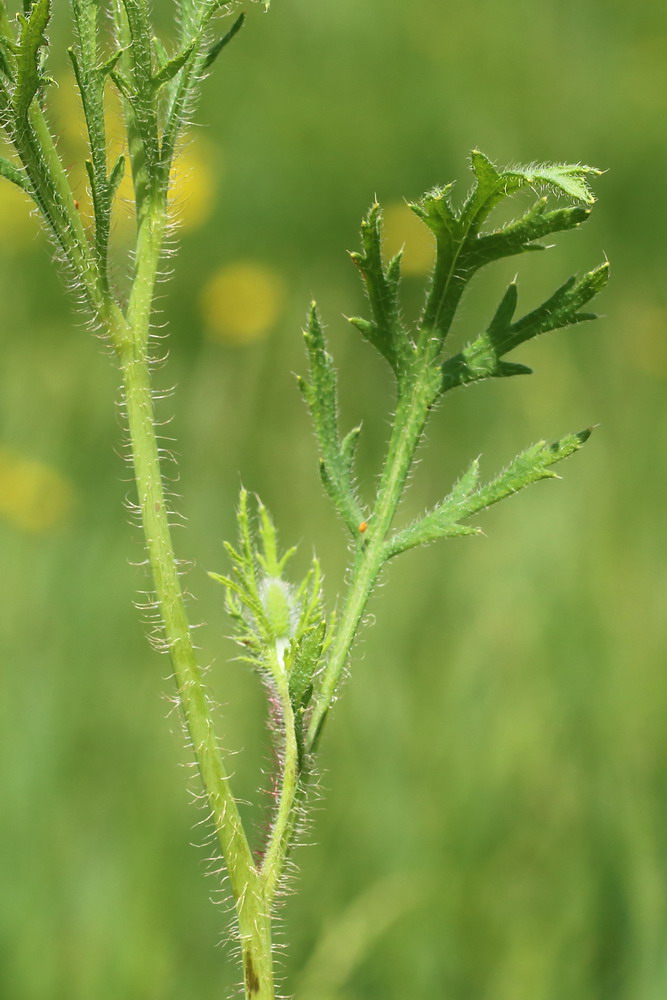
(482, 358)
(466, 498)
(336, 457)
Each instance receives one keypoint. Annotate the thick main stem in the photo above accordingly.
(192, 694)
(253, 912)
(131, 340)
(254, 915)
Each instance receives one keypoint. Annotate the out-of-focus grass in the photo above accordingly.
(503, 739)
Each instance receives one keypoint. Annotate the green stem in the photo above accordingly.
(131, 341)
(129, 334)
(193, 697)
(37, 151)
(283, 825)
(255, 934)
(416, 398)
(152, 221)
(63, 188)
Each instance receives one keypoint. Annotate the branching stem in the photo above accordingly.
(417, 395)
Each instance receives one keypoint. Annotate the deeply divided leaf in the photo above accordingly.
(462, 248)
(493, 185)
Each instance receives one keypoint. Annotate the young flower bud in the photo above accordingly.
(281, 610)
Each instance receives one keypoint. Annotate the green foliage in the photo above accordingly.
(217, 48)
(158, 93)
(462, 248)
(13, 174)
(385, 331)
(482, 357)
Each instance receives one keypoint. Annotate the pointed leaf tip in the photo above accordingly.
(485, 171)
(216, 49)
(583, 436)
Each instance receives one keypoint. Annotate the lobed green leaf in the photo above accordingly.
(493, 185)
(528, 467)
(521, 236)
(462, 249)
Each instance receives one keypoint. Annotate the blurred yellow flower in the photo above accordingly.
(33, 496)
(403, 230)
(241, 302)
(193, 184)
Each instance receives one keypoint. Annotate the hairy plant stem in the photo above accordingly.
(191, 691)
(246, 884)
(255, 934)
(416, 396)
(43, 166)
(283, 825)
(130, 337)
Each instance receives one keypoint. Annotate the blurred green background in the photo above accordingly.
(493, 823)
